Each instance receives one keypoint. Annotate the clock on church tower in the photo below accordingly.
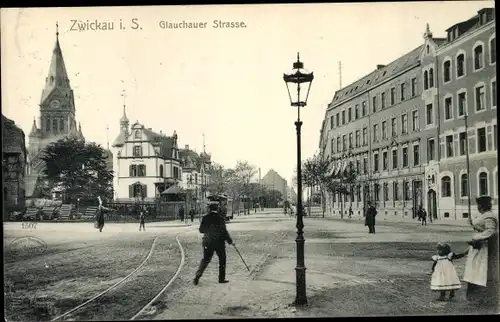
(55, 104)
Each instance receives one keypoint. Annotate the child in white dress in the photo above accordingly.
(444, 276)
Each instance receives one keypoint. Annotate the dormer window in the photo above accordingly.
(137, 134)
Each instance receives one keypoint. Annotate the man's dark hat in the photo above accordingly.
(483, 201)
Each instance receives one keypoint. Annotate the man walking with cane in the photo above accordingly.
(213, 227)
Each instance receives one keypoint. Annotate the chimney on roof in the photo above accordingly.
(186, 147)
(150, 128)
(380, 66)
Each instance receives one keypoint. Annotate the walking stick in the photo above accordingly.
(241, 257)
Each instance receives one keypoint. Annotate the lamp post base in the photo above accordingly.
(300, 298)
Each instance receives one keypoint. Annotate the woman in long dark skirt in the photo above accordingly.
(100, 215)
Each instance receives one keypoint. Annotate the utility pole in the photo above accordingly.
(203, 179)
(467, 161)
(261, 192)
(107, 136)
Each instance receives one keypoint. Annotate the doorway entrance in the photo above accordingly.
(416, 196)
(431, 204)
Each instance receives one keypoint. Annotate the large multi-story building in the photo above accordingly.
(391, 126)
(13, 166)
(466, 85)
(146, 162)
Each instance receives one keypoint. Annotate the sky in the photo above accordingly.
(224, 83)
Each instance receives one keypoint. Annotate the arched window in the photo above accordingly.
(161, 171)
(51, 79)
(426, 80)
(446, 186)
(431, 77)
(464, 185)
(483, 184)
(133, 170)
(460, 65)
(493, 50)
(478, 57)
(137, 134)
(447, 71)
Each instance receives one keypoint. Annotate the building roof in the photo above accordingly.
(120, 139)
(378, 76)
(471, 24)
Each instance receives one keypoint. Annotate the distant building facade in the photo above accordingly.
(394, 125)
(273, 181)
(291, 195)
(195, 172)
(13, 165)
(146, 163)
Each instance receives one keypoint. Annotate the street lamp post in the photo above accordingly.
(297, 77)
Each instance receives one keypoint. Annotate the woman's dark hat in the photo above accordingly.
(213, 207)
(483, 201)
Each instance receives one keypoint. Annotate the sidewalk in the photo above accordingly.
(387, 219)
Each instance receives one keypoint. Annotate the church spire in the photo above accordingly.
(428, 32)
(124, 122)
(34, 128)
(57, 76)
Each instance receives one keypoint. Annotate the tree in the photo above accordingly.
(244, 172)
(315, 173)
(78, 168)
(219, 179)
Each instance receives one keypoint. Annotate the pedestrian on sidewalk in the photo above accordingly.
(481, 269)
(370, 218)
(215, 236)
(181, 213)
(100, 215)
(191, 214)
(142, 218)
(422, 214)
(444, 276)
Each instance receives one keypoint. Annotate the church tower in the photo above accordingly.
(57, 115)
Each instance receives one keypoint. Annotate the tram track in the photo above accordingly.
(133, 295)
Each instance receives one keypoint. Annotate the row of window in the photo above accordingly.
(341, 118)
(399, 192)
(139, 170)
(480, 138)
(478, 59)
(137, 151)
(381, 160)
(360, 137)
(483, 185)
(55, 125)
(461, 100)
(403, 191)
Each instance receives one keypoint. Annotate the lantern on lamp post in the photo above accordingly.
(299, 79)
